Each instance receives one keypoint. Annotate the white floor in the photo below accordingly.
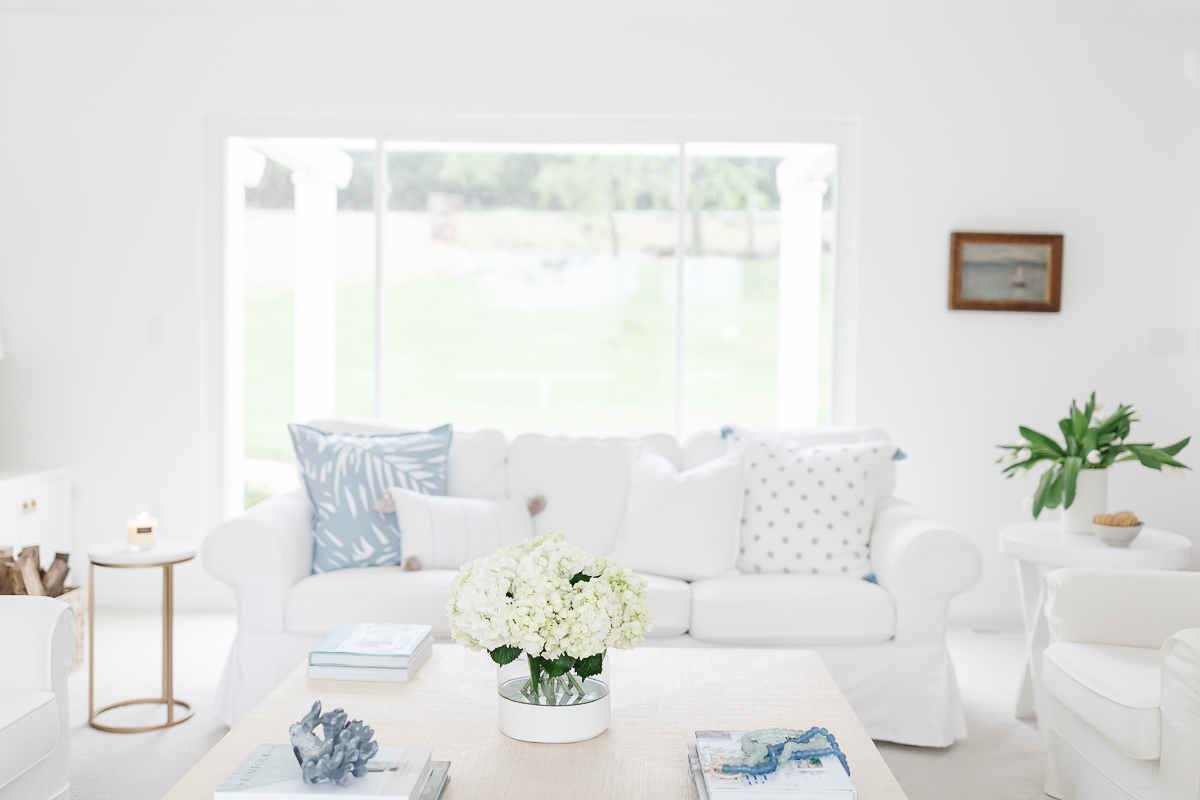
(1000, 760)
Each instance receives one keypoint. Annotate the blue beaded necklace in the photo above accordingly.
(763, 759)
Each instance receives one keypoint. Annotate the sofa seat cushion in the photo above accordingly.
(28, 731)
(1113, 688)
(670, 604)
(797, 610)
(320, 603)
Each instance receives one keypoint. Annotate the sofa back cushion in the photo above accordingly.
(476, 461)
(585, 481)
(809, 510)
(705, 445)
(346, 475)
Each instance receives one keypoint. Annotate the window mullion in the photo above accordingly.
(381, 203)
(681, 207)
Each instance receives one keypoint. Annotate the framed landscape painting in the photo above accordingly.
(1005, 271)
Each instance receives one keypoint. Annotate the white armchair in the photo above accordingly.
(1121, 685)
(39, 639)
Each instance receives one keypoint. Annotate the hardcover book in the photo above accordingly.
(802, 779)
(271, 772)
(380, 674)
(371, 644)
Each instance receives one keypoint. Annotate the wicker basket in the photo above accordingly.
(76, 598)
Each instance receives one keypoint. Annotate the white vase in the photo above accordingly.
(554, 710)
(1091, 498)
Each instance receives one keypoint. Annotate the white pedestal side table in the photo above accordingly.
(1042, 546)
(166, 553)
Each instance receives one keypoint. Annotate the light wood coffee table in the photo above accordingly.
(660, 698)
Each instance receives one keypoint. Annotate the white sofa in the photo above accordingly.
(39, 640)
(1120, 705)
(884, 643)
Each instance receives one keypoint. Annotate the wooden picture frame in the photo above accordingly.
(1005, 271)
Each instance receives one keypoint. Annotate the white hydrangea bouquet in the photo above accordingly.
(559, 604)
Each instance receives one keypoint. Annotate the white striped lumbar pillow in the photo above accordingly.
(447, 532)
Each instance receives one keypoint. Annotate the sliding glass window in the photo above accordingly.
(527, 287)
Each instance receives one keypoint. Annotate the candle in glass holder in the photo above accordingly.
(141, 532)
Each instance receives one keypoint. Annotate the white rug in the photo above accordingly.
(1001, 759)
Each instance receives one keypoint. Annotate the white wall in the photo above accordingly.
(1050, 122)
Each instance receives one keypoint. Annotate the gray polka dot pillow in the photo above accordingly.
(808, 509)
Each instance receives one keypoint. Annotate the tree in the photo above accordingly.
(602, 184)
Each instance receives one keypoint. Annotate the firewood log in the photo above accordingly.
(31, 575)
(16, 581)
(55, 577)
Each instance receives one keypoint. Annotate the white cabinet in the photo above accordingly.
(35, 508)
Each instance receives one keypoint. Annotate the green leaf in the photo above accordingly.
(1145, 455)
(1091, 441)
(1175, 448)
(1041, 440)
(504, 654)
(559, 666)
(580, 577)
(1039, 495)
(1070, 473)
(592, 665)
(1079, 423)
(1054, 494)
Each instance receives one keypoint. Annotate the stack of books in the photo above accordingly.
(367, 651)
(272, 772)
(803, 779)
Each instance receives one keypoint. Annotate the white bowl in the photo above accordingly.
(1117, 535)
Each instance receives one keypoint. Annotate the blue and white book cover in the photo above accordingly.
(808, 778)
(370, 644)
(271, 772)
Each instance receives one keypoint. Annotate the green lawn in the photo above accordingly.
(470, 348)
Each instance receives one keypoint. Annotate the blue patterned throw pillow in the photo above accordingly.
(345, 476)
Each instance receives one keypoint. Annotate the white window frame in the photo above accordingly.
(844, 134)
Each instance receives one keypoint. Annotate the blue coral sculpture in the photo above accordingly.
(341, 755)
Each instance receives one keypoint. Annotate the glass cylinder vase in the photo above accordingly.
(538, 707)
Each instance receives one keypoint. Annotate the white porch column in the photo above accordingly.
(800, 179)
(243, 169)
(318, 170)
(315, 316)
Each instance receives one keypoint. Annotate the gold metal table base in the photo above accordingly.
(168, 677)
(143, 728)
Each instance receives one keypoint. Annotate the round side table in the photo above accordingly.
(166, 553)
(1042, 546)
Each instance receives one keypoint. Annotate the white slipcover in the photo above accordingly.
(887, 649)
(1121, 706)
(39, 637)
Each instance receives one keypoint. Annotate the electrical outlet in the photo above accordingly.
(1167, 343)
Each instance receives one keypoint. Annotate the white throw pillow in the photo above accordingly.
(451, 531)
(810, 509)
(585, 481)
(681, 524)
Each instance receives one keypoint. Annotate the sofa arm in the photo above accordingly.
(39, 638)
(262, 553)
(923, 563)
(1179, 764)
(1132, 607)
